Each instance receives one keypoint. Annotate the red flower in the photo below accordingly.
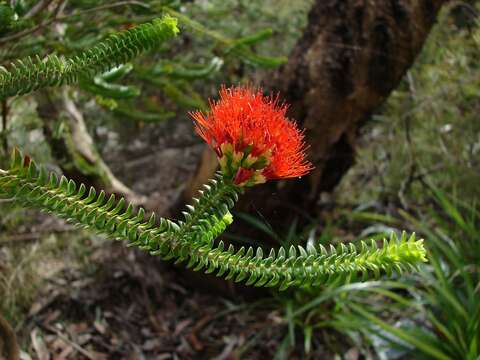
(252, 137)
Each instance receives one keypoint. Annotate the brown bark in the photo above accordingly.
(352, 54)
(8, 342)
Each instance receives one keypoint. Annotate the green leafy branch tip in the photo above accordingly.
(191, 240)
(30, 74)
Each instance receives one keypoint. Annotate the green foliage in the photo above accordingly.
(103, 84)
(442, 297)
(187, 73)
(192, 240)
(238, 48)
(24, 76)
(244, 29)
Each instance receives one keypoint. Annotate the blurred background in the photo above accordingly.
(389, 95)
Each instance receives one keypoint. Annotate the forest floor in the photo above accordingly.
(134, 307)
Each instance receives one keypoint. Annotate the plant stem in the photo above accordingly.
(4, 125)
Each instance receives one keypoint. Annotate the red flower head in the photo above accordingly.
(252, 137)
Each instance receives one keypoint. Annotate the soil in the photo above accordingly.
(135, 307)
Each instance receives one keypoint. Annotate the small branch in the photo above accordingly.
(412, 162)
(77, 347)
(4, 125)
(60, 18)
(106, 6)
(37, 8)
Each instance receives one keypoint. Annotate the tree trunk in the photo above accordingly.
(352, 54)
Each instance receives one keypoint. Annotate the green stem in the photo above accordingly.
(217, 198)
(205, 220)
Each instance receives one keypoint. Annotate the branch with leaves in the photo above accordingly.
(254, 142)
(30, 74)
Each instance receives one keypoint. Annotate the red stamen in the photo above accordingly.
(246, 119)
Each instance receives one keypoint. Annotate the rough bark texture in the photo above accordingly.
(352, 54)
